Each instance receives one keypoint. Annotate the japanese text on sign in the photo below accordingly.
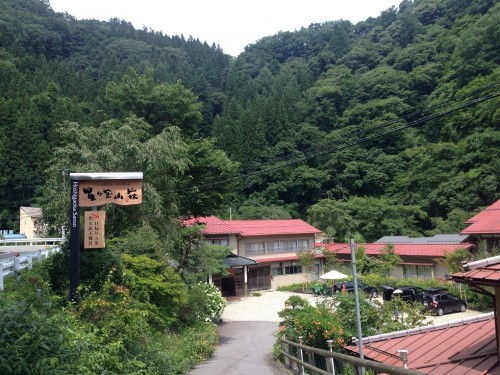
(94, 230)
(99, 192)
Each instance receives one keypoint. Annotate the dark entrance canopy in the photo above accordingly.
(233, 260)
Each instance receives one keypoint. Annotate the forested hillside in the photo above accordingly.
(388, 126)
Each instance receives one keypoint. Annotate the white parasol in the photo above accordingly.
(333, 275)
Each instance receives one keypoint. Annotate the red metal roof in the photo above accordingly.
(250, 228)
(467, 346)
(287, 257)
(424, 250)
(485, 222)
(213, 225)
(482, 272)
(247, 228)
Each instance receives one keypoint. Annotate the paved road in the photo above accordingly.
(244, 349)
(247, 335)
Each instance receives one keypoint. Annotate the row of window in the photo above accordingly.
(273, 247)
(286, 270)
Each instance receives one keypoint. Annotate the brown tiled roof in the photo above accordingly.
(461, 347)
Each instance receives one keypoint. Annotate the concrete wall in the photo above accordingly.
(27, 225)
(298, 278)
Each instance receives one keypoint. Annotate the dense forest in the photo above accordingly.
(387, 126)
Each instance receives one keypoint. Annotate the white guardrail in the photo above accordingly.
(20, 253)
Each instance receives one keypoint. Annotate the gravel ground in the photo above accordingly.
(265, 308)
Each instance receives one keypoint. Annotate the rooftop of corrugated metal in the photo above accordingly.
(247, 228)
(464, 347)
(408, 249)
(436, 239)
(485, 222)
(273, 227)
(483, 272)
(282, 258)
(213, 225)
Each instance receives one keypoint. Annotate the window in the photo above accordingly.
(252, 248)
(220, 241)
(276, 271)
(290, 270)
(410, 270)
(303, 245)
(286, 246)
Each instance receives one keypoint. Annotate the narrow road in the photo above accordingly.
(247, 336)
(244, 349)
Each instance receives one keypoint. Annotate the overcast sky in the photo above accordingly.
(232, 24)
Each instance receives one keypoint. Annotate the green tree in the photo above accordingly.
(389, 258)
(161, 105)
(331, 217)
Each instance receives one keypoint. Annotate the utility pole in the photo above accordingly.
(356, 299)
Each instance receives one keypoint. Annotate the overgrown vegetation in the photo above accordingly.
(334, 318)
(307, 124)
(128, 328)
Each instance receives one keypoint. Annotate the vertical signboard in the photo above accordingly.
(92, 190)
(94, 230)
(74, 255)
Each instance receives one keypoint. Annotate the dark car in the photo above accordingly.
(436, 289)
(405, 292)
(441, 303)
(349, 287)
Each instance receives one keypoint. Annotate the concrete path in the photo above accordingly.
(244, 349)
(247, 335)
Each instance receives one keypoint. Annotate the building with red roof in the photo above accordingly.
(424, 260)
(272, 244)
(485, 227)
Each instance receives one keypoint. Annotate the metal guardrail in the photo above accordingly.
(17, 262)
(294, 355)
(31, 241)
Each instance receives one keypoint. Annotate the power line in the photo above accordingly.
(320, 152)
(386, 124)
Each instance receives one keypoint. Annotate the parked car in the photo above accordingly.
(349, 287)
(436, 289)
(441, 303)
(407, 293)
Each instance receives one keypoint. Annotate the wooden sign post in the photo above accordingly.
(92, 190)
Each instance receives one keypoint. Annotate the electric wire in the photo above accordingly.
(320, 152)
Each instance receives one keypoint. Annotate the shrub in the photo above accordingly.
(314, 324)
(205, 304)
(38, 343)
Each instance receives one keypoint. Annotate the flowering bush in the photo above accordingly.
(315, 325)
(209, 301)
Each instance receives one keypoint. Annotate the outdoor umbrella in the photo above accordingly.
(333, 275)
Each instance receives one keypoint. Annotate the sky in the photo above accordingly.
(232, 24)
